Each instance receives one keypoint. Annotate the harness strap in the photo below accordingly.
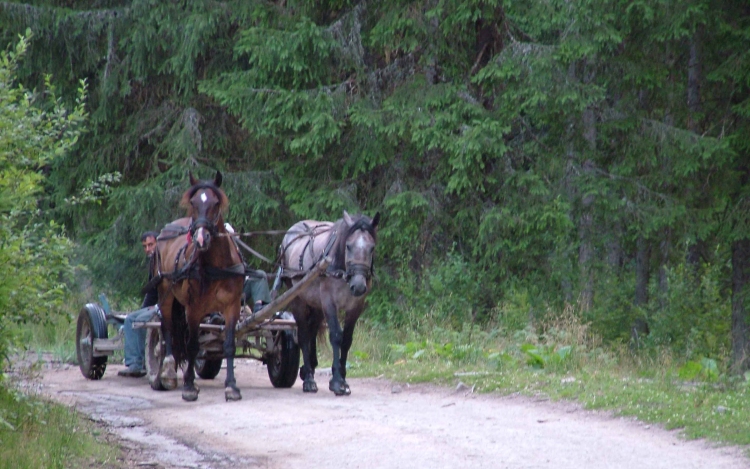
(218, 273)
(252, 251)
(171, 231)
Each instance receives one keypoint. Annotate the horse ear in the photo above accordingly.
(217, 179)
(348, 218)
(193, 181)
(375, 220)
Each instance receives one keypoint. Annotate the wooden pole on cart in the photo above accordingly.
(282, 301)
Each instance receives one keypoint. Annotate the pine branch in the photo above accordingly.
(346, 31)
(26, 10)
(392, 75)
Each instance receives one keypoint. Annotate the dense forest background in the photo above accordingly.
(523, 155)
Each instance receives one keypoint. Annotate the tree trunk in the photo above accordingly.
(694, 106)
(664, 247)
(694, 80)
(586, 252)
(741, 305)
(642, 255)
(642, 274)
(585, 222)
(614, 248)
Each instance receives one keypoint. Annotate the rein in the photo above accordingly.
(248, 234)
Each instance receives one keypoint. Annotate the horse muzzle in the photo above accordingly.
(358, 285)
(357, 276)
(202, 238)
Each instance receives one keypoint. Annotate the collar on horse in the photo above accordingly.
(191, 268)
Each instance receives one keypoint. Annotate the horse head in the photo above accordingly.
(359, 253)
(206, 203)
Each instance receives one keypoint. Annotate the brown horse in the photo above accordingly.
(341, 289)
(200, 271)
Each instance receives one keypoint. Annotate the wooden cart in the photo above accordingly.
(269, 335)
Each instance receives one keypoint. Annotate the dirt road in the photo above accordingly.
(413, 427)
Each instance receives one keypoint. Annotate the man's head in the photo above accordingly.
(148, 241)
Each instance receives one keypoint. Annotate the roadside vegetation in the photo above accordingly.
(35, 433)
(679, 376)
(35, 130)
(563, 359)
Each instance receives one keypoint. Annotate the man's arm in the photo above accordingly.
(151, 298)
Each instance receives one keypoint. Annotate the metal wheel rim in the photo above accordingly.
(276, 356)
(156, 340)
(200, 362)
(85, 344)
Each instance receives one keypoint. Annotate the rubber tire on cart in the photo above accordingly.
(154, 358)
(283, 364)
(207, 369)
(92, 325)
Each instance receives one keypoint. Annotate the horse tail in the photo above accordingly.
(179, 332)
(317, 322)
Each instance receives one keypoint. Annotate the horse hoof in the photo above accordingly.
(167, 374)
(190, 395)
(169, 384)
(232, 394)
(339, 388)
(309, 386)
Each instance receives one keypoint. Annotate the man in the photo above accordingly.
(135, 339)
(256, 289)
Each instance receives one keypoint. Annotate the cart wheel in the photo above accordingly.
(92, 324)
(207, 369)
(283, 364)
(154, 358)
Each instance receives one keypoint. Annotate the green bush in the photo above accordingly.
(696, 318)
(34, 132)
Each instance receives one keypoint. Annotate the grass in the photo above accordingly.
(56, 338)
(35, 433)
(562, 360)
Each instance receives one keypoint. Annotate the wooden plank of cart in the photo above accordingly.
(269, 335)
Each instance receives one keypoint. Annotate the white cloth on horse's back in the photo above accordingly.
(228, 227)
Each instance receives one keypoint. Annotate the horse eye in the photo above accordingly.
(348, 248)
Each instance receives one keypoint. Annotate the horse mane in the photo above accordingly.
(343, 231)
(185, 201)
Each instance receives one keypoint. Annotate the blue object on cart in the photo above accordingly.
(105, 304)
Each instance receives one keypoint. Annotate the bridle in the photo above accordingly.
(202, 221)
(359, 268)
(205, 223)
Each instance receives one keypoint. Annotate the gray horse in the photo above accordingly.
(343, 288)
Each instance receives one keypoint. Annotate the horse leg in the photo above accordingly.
(346, 344)
(168, 370)
(305, 336)
(190, 390)
(335, 335)
(231, 391)
(314, 326)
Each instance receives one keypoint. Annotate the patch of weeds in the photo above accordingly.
(35, 433)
